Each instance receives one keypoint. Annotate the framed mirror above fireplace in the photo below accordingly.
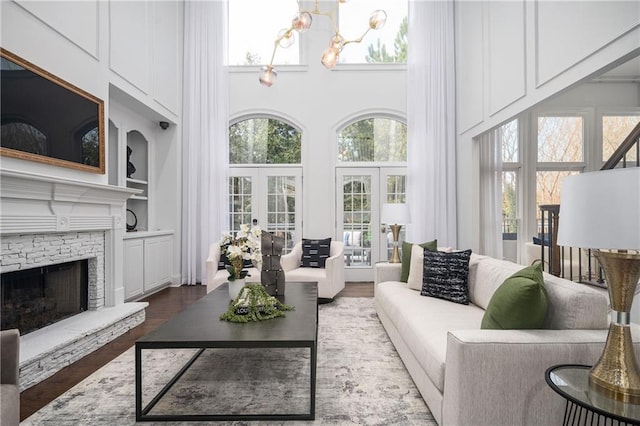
(46, 119)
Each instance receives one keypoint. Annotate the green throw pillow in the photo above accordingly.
(406, 256)
(519, 303)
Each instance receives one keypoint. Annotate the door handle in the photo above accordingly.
(383, 229)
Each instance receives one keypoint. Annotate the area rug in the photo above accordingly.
(360, 380)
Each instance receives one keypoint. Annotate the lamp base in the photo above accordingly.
(616, 373)
(395, 256)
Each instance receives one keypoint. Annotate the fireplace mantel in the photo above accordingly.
(34, 203)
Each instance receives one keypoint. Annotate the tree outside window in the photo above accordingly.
(264, 141)
(373, 139)
(615, 128)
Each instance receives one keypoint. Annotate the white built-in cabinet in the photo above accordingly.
(147, 262)
(148, 249)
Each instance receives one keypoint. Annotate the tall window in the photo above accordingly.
(254, 25)
(387, 45)
(560, 154)
(508, 134)
(373, 140)
(264, 141)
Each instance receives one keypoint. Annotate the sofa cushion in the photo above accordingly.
(305, 275)
(315, 253)
(445, 275)
(424, 323)
(569, 305)
(407, 249)
(489, 275)
(519, 303)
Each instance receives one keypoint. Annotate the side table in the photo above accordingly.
(585, 406)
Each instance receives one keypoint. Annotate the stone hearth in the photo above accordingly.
(46, 221)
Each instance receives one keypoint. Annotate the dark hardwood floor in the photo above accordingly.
(162, 306)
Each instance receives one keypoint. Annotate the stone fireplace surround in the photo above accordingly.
(46, 220)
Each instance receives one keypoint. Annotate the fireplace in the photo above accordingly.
(36, 297)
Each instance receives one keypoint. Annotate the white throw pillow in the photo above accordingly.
(414, 281)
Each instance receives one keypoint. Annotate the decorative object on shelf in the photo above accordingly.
(245, 246)
(235, 287)
(302, 22)
(395, 215)
(272, 276)
(132, 221)
(254, 304)
(612, 228)
(131, 169)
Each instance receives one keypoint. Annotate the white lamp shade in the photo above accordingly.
(395, 214)
(601, 210)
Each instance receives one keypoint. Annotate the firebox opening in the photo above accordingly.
(34, 298)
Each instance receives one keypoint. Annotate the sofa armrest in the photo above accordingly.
(291, 260)
(497, 377)
(384, 271)
(212, 262)
(10, 357)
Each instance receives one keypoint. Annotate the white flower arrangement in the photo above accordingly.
(245, 246)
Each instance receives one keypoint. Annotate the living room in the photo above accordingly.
(142, 60)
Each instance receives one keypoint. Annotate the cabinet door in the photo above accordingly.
(158, 261)
(152, 250)
(133, 268)
(165, 260)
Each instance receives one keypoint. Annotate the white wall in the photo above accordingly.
(511, 56)
(320, 101)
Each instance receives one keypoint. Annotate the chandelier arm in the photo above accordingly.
(357, 40)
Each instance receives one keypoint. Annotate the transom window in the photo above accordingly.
(386, 45)
(373, 140)
(264, 141)
(253, 27)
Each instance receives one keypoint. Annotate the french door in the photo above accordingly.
(360, 193)
(267, 197)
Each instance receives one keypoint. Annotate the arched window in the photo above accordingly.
(373, 140)
(264, 141)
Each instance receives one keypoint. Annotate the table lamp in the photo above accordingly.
(601, 211)
(395, 215)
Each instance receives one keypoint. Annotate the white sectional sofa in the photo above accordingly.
(469, 376)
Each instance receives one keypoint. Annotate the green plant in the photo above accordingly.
(259, 306)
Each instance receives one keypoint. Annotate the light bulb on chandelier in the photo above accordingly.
(301, 23)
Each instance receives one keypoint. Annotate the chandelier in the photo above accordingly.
(302, 22)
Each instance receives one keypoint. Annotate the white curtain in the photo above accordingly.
(205, 121)
(431, 150)
(490, 150)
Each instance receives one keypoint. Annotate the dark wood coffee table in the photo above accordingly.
(199, 326)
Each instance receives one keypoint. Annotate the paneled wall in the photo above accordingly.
(512, 55)
(134, 46)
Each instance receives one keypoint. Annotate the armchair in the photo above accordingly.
(216, 276)
(330, 279)
(10, 377)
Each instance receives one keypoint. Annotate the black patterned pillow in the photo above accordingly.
(446, 275)
(315, 253)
